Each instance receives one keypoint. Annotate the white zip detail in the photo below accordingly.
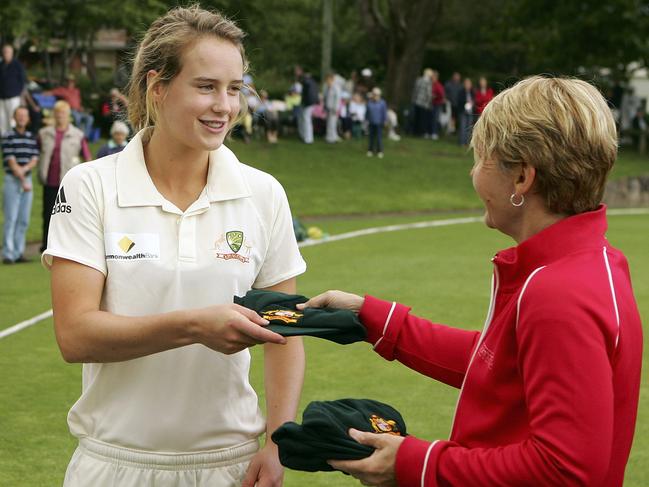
(492, 306)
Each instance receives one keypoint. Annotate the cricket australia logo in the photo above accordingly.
(228, 247)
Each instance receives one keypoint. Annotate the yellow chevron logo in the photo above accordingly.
(126, 244)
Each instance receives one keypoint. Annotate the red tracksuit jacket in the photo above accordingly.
(549, 389)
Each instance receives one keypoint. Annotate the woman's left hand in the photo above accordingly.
(378, 468)
(265, 470)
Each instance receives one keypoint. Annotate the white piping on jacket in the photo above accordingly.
(520, 296)
(610, 283)
(423, 472)
(387, 322)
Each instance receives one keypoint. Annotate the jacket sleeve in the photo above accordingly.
(564, 347)
(438, 351)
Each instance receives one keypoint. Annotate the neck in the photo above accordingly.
(62, 128)
(20, 130)
(534, 221)
(178, 172)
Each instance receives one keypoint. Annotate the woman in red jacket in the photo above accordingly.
(483, 95)
(549, 388)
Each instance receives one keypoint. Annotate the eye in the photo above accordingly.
(205, 88)
(234, 90)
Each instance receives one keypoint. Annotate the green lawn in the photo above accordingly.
(443, 273)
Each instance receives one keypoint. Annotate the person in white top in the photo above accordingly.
(147, 249)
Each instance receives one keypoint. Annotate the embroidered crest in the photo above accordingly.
(285, 315)
(228, 245)
(380, 425)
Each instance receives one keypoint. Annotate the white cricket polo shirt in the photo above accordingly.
(237, 235)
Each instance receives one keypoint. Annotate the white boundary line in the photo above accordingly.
(24, 324)
(344, 236)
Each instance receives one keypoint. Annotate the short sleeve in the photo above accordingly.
(283, 259)
(76, 227)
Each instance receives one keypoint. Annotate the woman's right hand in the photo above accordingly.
(334, 299)
(230, 328)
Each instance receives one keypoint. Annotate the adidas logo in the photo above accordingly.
(61, 203)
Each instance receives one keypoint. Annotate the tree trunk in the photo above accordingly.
(405, 26)
(327, 34)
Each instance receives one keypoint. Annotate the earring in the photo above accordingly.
(514, 203)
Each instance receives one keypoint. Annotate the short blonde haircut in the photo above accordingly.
(62, 105)
(563, 128)
(161, 50)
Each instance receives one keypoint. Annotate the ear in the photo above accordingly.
(157, 88)
(525, 175)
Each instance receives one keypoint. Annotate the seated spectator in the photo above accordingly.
(113, 109)
(268, 116)
(119, 132)
(72, 95)
(393, 123)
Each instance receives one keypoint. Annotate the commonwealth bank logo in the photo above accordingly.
(233, 245)
(132, 246)
(126, 244)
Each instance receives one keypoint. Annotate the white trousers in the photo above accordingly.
(307, 124)
(98, 464)
(7, 108)
(332, 128)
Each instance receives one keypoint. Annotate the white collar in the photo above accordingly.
(225, 179)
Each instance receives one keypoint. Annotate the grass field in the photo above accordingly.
(443, 273)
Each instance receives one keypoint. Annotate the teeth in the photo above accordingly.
(214, 125)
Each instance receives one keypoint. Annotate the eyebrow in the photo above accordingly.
(203, 79)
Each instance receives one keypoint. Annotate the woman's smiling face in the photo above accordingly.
(199, 105)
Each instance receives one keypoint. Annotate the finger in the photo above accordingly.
(251, 315)
(259, 333)
(364, 438)
(318, 301)
(251, 475)
(352, 467)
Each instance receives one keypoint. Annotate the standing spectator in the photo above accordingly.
(332, 98)
(453, 88)
(72, 95)
(20, 156)
(377, 113)
(639, 130)
(12, 83)
(467, 112)
(61, 146)
(357, 111)
(308, 101)
(438, 101)
(119, 132)
(483, 95)
(344, 116)
(392, 124)
(422, 97)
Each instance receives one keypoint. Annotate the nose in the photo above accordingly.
(221, 102)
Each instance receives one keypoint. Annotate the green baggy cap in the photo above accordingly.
(337, 325)
(323, 434)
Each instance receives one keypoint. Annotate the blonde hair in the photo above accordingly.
(563, 128)
(161, 50)
(62, 105)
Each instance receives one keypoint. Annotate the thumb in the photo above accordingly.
(365, 438)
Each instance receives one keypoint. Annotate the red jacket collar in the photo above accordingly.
(567, 236)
